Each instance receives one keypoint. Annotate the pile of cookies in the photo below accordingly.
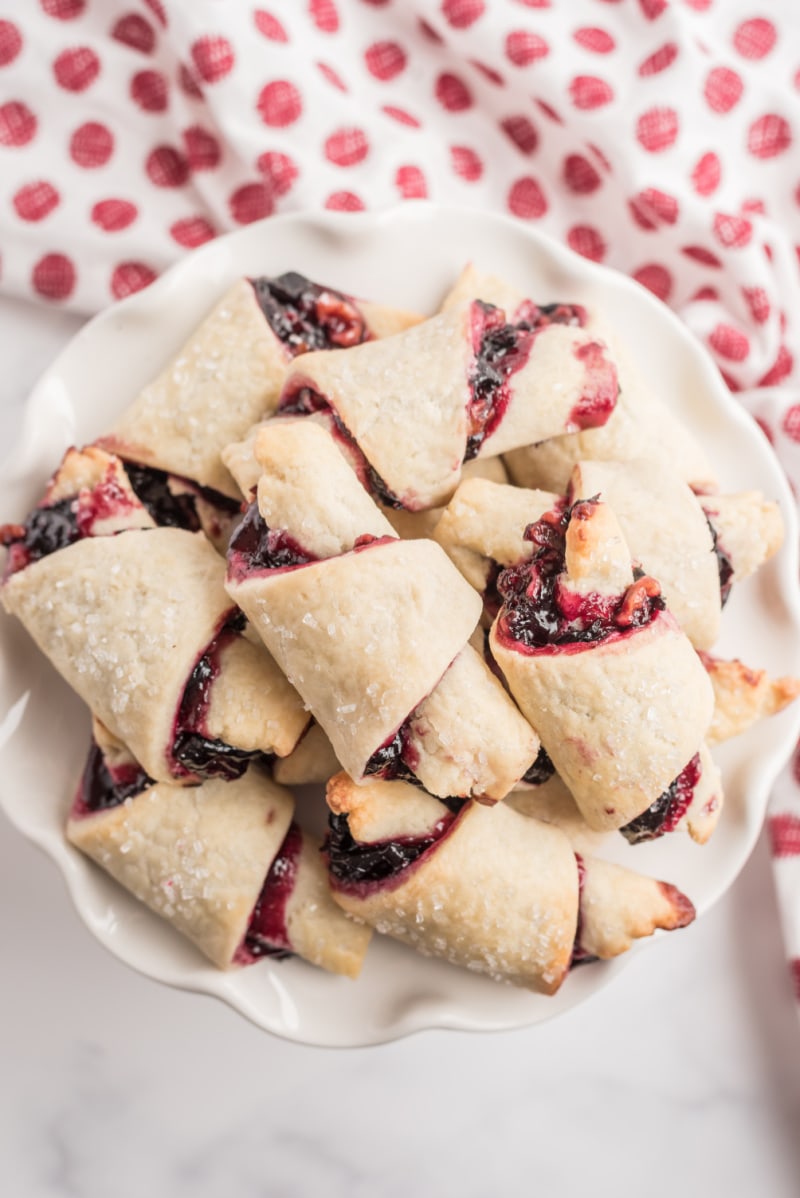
(465, 570)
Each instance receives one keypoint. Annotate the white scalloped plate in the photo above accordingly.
(408, 257)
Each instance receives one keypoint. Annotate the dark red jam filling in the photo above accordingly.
(538, 612)
(152, 488)
(303, 400)
(594, 407)
(537, 316)
(305, 316)
(268, 932)
(724, 565)
(192, 750)
(356, 866)
(541, 770)
(254, 547)
(45, 531)
(668, 810)
(500, 349)
(395, 759)
(579, 954)
(100, 789)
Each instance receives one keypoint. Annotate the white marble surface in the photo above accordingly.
(682, 1077)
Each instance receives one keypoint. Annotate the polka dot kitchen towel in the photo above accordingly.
(659, 136)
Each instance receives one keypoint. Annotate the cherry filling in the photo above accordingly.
(579, 954)
(254, 547)
(305, 316)
(539, 612)
(192, 750)
(303, 400)
(541, 770)
(724, 565)
(100, 788)
(360, 868)
(599, 400)
(666, 812)
(538, 316)
(395, 759)
(500, 350)
(45, 531)
(152, 488)
(268, 933)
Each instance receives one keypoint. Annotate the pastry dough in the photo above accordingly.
(200, 856)
(311, 760)
(622, 715)
(410, 404)
(125, 620)
(488, 888)
(748, 529)
(743, 695)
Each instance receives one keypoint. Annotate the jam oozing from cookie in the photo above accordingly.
(500, 349)
(192, 750)
(305, 316)
(538, 316)
(668, 810)
(538, 612)
(541, 770)
(45, 531)
(101, 789)
(268, 932)
(600, 396)
(174, 506)
(362, 867)
(724, 565)
(579, 954)
(255, 547)
(395, 759)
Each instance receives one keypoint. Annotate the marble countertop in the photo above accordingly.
(682, 1076)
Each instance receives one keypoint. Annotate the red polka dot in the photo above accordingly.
(526, 199)
(113, 215)
(791, 426)
(732, 231)
(213, 57)
(279, 103)
(203, 150)
(63, 10)
(580, 175)
(709, 294)
(35, 201)
(659, 60)
(535, 3)
(324, 15)
(706, 174)
(765, 428)
(754, 207)
(192, 231)
(251, 202)
(758, 303)
(768, 136)
(157, 9)
(652, 8)
(401, 116)
(17, 124)
(466, 163)
(699, 5)
(129, 277)
(188, 82)
(462, 13)
(753, 39)
(698, 253)
(344, 201)
(452, 93)
(723, 89)
(657, 129)
(91, 145)
(524, 47)
(76, 69)
(167, 167)
(794, 974)
(347, 147)
(488, 72)
(134, 31)
(587, 241)
(332, 76)
(150, 91)
(600, 156)
(729, 343)
(522, 132)
(410, 182)
(655, 278)
(54, 277)
(10, 42)
(278, 170)
(588, 92)
(596, 40)
(780, 370)
(270, 26)
(652, 206)
(549, 111)
(385, 59)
